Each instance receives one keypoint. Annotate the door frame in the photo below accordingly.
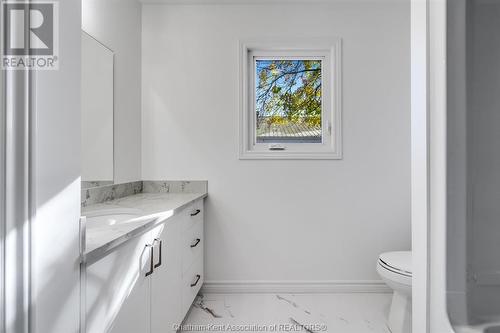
(16, 198)
(429, 107)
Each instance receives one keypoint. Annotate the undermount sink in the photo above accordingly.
(110, 217)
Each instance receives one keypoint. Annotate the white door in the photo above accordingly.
(166, 280)
(118, 290)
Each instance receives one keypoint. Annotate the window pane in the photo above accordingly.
(288, 101)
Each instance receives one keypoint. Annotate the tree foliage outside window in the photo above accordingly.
(288, 100)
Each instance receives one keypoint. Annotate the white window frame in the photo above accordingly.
(326, 50)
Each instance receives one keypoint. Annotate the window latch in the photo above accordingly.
(275, 147)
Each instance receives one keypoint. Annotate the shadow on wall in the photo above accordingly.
(56, 267)
(111, 299)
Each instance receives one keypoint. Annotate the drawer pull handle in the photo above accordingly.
(159, 259)
(196, 242)
(198, 277)
(196, 212)
(151, 260)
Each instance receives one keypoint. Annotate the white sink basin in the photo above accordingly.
(111, 217)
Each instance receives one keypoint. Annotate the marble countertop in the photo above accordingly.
(151, 209)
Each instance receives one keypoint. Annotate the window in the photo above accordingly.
(290, 101)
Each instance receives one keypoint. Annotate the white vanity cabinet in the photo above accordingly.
(149, 283)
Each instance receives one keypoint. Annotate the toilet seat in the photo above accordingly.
(396, 266)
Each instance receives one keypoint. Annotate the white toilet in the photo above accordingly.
(395, 268)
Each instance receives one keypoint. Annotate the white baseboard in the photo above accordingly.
(294, 287)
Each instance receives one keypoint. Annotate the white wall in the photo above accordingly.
(283, 220)
(55, 293)
(117, 24)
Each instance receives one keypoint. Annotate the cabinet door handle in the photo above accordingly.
(196, 212)
(196, 242)
(198, 277)
(159, 258)
(151, 260)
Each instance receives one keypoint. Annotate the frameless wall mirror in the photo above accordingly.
(97, 113)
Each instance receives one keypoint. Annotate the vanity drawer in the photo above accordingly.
(191, 284)
(194, 214)
(192, 245)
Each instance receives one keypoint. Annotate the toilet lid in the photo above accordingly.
(400, 260)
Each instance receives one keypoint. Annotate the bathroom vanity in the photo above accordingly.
(142, 255)
(141, 243)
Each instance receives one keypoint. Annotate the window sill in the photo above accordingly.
(289, 155)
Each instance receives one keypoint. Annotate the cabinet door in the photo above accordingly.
(118, 291)
(166, 280)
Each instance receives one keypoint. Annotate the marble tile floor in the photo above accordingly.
(336, 313)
